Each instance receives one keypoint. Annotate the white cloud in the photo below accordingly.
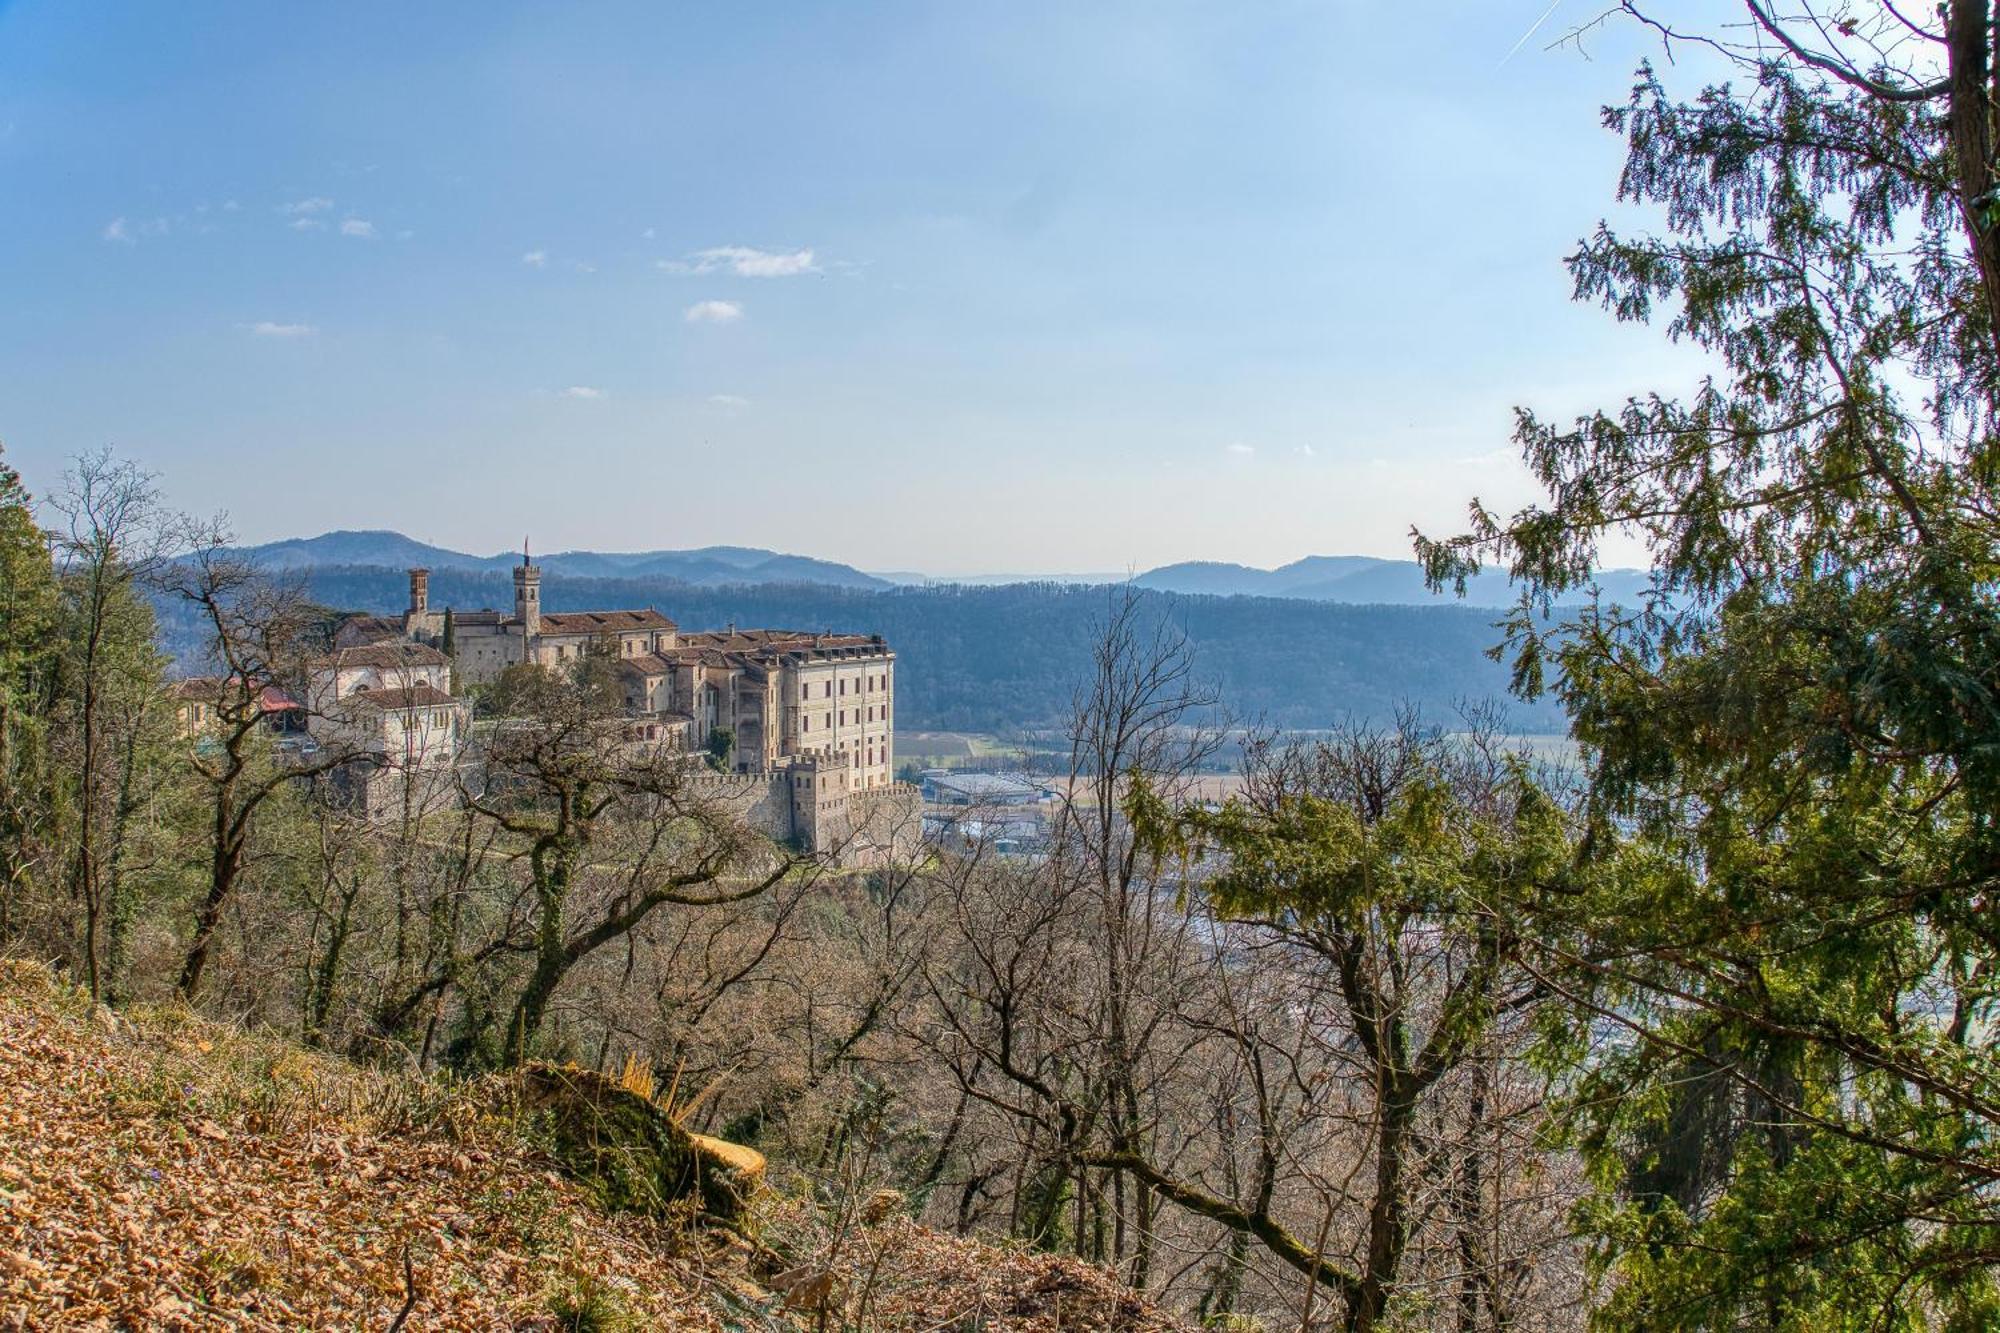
(731, 401)
(307, 207)
(307, 224)
(1304, 451)
(536, 259)
(1242, 450)
(714, 312)
(583, 391)
(583, 266)
(265, 328)
(648, 234)
(126, 232)
(230, 205)
(360, 228)
(744, 261)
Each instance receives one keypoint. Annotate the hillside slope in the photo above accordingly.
(161, 1172)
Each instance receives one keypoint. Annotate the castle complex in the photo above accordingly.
(811, 716)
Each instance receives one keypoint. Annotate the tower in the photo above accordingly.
(416, 620)
(528, 595)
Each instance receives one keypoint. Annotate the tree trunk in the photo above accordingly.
(1967, 34)
(1388, 1224)
(553, 868)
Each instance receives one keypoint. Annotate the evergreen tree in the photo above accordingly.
(27, 647)
(1782, 980)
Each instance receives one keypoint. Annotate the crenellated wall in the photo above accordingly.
(809, 805)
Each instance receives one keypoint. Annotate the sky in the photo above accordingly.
(961, 288)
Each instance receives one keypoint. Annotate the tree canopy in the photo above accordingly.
(1785, 971)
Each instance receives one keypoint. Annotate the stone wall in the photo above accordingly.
(809, 806)
(886, 825)
(761, 800)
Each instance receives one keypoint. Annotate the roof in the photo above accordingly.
(416, 696)
(601, 622)
(984, 786)
(760, 648)
(372, 627)
(645, 664)
(206, 688)
(271, 699)
(215, 690)
(398, 654)
(704, 656)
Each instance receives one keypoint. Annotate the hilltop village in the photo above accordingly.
(795, 730)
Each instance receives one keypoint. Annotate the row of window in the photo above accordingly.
(866, 685)
(876, 713)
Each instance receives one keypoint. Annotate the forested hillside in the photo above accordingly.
(1411, 1033)
(1006, 658)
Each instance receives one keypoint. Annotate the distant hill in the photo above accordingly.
(1360, 580)
(1006, 659)
(1357, 580)
(709, 566)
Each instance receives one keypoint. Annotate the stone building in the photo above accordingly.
(808, 719)
(390, 706)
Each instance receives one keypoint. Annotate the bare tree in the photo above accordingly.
(258, 632)
(608, 833)
(1384, 872)
(113, 536)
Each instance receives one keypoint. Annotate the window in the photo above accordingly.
(829, 690)
(805, 724)
(805, 692)
(843, 687)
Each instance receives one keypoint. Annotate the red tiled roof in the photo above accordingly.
(416, 696)
(646, 664)
(601, 622)
(215, 689)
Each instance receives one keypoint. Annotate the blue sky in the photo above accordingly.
(943, 286)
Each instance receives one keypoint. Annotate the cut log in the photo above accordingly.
(630, 1152)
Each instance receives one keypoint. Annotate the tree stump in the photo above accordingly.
(630, 1152)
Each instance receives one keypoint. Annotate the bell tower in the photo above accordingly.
(414, 619)
(528, 595)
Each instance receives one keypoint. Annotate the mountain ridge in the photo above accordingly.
(1355, 580)
(702, 567)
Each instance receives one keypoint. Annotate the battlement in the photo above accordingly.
(726, 786)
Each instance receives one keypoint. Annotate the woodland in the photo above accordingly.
(1416, 1033)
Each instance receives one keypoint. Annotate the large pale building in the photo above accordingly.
(811, 714)
(389, 705)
